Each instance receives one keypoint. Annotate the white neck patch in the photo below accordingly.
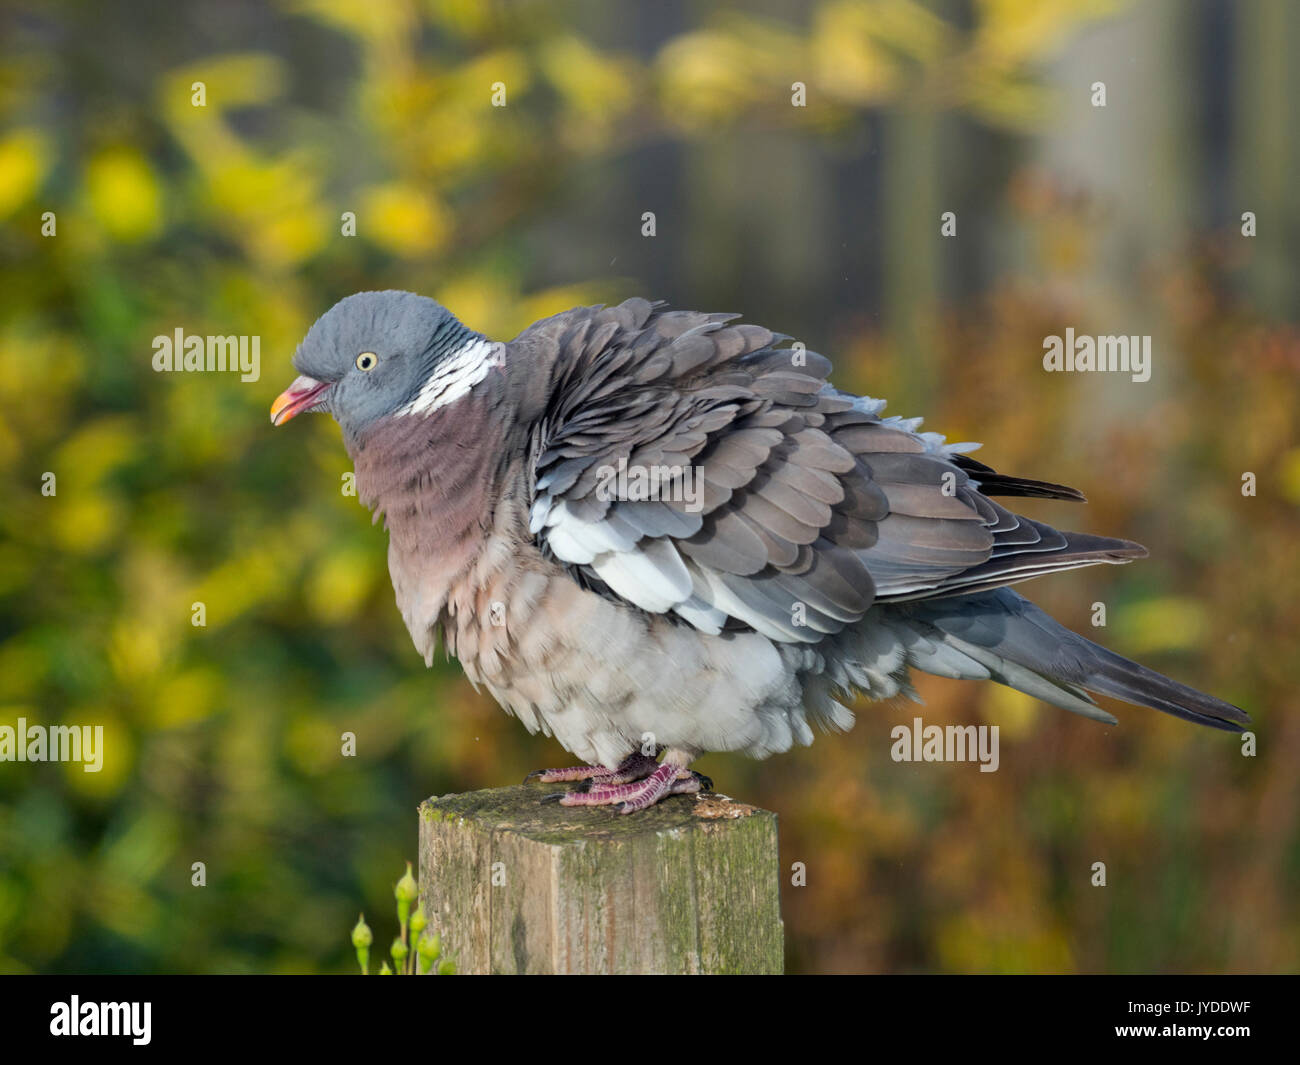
(455, 375)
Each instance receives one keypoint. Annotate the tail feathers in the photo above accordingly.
(1134, 683)
(1035, 654)
(946, 655)
(1014, 675)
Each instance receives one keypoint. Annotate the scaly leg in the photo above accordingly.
(633, 793)
(634, 767)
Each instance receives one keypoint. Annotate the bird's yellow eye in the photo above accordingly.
(367, 361)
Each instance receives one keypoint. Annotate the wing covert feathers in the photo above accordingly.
(784, 505)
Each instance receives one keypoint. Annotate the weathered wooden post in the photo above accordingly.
(515, 885)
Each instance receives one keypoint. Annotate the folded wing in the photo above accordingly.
(690, 466)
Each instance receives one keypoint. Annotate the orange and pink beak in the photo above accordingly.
(306, 393)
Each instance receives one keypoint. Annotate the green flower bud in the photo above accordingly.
(384, 970)
(361, 940)
(427, 950)
(447, 968)
(406, 891)
(399, 952)
(418, 922)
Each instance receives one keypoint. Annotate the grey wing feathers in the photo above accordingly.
(786, 506)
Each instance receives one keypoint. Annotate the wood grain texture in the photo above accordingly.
(515, 885)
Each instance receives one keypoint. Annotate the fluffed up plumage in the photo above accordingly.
(785, 545)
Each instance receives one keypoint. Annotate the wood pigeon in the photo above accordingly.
(657, 532)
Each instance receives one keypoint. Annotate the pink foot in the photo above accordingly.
(666, 779)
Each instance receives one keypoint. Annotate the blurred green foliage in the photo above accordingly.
(224, 740)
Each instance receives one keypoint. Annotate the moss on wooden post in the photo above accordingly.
(516, 885)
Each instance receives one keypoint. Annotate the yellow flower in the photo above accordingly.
(24, 158)
(123, 194)
(403, 219)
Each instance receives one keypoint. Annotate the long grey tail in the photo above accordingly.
(1022, 646)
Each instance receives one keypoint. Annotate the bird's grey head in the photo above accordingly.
(378, 354)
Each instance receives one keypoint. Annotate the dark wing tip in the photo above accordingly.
(992, 483)
(1128, 550)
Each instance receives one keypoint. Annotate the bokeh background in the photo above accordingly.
(822, 222)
